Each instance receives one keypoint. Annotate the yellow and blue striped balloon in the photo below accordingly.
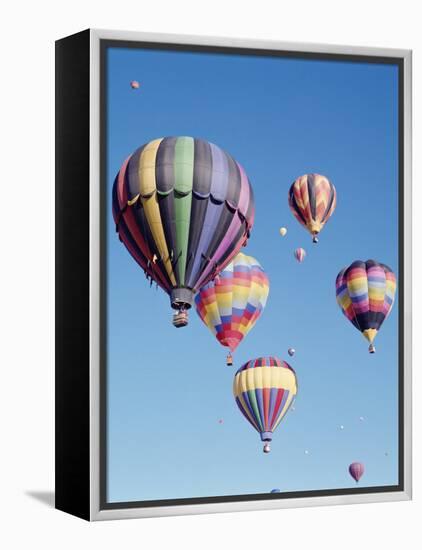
(264, 389)
(365, 293)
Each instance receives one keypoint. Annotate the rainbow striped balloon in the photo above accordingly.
(365, 293)
(312, 200)
(231, 304)
(264, 389)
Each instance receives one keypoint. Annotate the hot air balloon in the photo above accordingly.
(183, 208)
(312, 200)
(365, 293)
(134, 84)
(283, 231)
(300, 254)
(264, 389)
(231, 305)
(356, 470)
(291, 351)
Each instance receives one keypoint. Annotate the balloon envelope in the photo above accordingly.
(300, 254)
(291, 351)
(283, 231)
(183, 208)
(134, 84)
(312, 200)
(264, 389)
(365, 293)
(231, 305)
(356, 470)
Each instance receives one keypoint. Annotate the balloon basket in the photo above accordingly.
(267, 448)
(371, 348)
(180, 319)
(229, 360)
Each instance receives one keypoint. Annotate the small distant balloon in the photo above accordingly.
(283, 231)
(291, 351)
(275, 491)
(300, 254)
(356, 470)
(220, 421)
(134, 84)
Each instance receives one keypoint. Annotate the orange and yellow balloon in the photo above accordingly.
(312, 200)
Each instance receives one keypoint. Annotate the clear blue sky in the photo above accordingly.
(280, 118)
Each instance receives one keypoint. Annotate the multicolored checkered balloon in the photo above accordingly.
(231, 304)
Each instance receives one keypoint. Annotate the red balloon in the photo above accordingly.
(300, 254)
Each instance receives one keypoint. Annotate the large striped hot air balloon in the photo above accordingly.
(312, 200)
(232, 303)
(264, 389)
(365, 293)
(183, 208)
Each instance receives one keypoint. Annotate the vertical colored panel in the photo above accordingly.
(148, 188)
(183, 182)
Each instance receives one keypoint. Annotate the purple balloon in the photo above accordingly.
(356, 470)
